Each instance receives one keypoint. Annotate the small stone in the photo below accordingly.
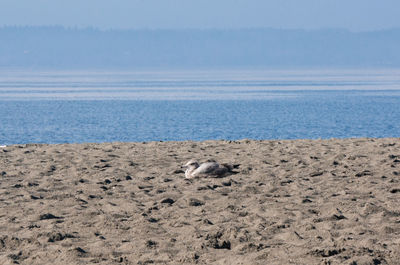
(195, 202)
(151, 243)
(81, 250)
(33, 197)
(208, 222)
(168, 200)
(47, 216)
(338, 217)
(364, 173)
(59, 237)
(227, 183)
(316, 174)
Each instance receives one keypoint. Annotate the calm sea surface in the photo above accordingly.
(74, 107)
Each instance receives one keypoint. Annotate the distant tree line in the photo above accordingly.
(64, 48)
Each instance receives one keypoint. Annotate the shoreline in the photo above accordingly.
(206, 141)
(303, 201)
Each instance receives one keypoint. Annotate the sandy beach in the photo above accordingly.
(290, 202)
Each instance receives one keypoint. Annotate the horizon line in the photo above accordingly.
(102, 29)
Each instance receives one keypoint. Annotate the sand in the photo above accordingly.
(291, 202)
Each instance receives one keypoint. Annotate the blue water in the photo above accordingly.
(39, 110)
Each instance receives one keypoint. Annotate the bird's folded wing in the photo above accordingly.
(206, 168)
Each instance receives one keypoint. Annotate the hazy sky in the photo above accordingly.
(301, 14)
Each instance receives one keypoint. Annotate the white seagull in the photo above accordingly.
(210, 168)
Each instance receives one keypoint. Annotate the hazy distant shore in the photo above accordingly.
(63, 48)
(293, 201)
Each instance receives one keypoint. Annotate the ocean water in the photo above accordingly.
(75, 107)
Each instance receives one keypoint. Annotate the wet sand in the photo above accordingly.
(291, 202)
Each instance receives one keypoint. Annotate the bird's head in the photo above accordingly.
(191, 164)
